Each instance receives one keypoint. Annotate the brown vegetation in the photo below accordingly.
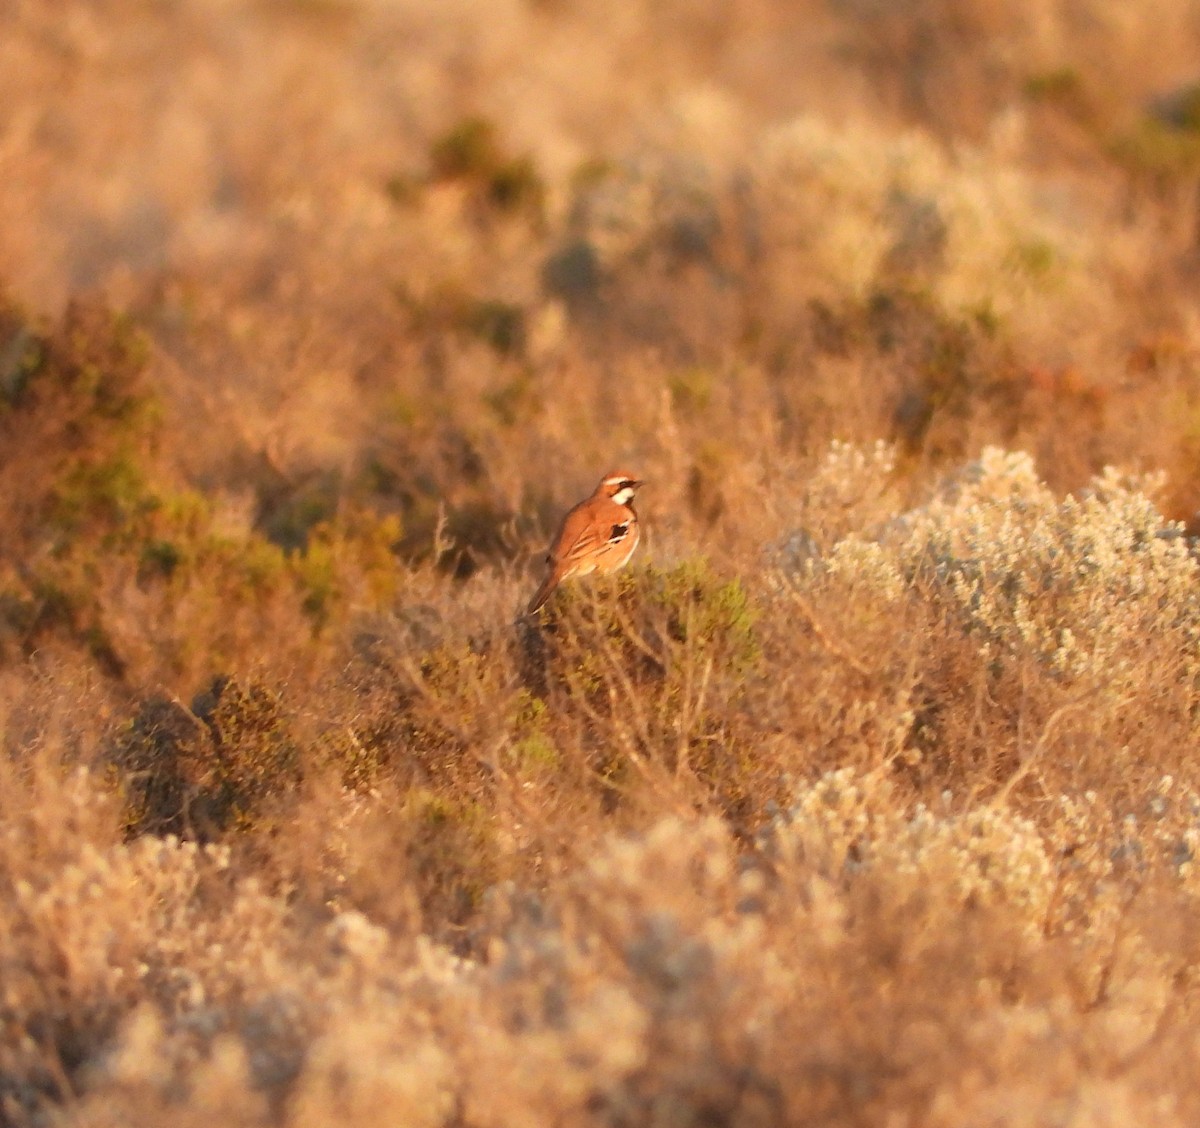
(866, 795)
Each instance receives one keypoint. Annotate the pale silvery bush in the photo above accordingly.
(849, 826)
(1081, 584)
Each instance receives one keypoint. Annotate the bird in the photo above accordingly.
(597, 535)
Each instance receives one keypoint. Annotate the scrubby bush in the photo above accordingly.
(197, 772)
(865, 794)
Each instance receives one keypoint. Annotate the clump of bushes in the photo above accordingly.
(649, 670)
(215, 767)
(94, 510)
(1033, 620)
(471, 152)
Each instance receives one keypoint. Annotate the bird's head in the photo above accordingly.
(619, 486)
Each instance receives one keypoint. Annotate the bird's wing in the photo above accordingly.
(580, 540)
(587, 530)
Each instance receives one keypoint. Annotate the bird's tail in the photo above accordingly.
(542, 593)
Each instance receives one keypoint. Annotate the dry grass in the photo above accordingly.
(867, 795)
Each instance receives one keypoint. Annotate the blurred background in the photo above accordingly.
(867, 794)
(441, 264)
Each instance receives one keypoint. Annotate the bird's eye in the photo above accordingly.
(627, 484)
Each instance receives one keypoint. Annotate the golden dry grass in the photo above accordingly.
(867, 795)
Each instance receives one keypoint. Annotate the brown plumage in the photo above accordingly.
(598, 535)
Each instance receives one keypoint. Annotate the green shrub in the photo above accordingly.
(450, 854)
(200, 772)
(649, 666)
(471, 152)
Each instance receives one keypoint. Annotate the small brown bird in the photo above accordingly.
(598, 535)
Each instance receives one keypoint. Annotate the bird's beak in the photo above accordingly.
(639, 485)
